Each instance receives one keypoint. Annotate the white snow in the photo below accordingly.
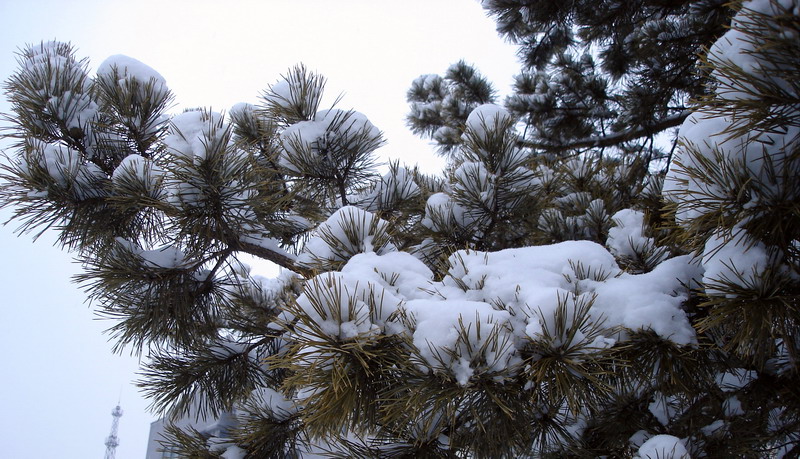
(442, 213)
(473, 322)
(300, 138)
(637, 439)
(308, 139)
(347, 232)
(279, 406)
(167, 256)
(663, 408)
(472, 178)
(397, 272)
(701, 133)
(241, 109)
(732, 406)
(234, 452)
(47, 61)
(651, 301)
(484, 118)
(280, 93)
(66, 168)
(288, 92)
(345, 307)
(138, 168)
(44, 53)
(77, 110)
(735, 379)
(193, 136)
(713, 428)
(663, 447)
(268, 243)
(735, 259)
(163, 257)
(531, 280)
(627, 238)
(191, 131)
(393, 187)
(698, 178)
(128, 68)
(452, 336)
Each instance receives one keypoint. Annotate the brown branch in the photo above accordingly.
(280, 259)
(611, 139)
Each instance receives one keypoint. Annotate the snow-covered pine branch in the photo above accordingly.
(518, 305)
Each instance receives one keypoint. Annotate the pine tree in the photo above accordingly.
(602, 76)
(521, 305)
(734, 188)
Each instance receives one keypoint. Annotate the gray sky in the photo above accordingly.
(60, 380)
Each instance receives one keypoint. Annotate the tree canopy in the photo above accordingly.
(568, 286)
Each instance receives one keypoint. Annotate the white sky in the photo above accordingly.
(60, 380)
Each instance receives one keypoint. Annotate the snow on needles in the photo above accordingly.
(127, 68)
(325, 134)
(715, 145)
(706, 135)
(484, 118)
(347, 232)
(627, 236)
(490, 305)
(192, 132)
(663, 447)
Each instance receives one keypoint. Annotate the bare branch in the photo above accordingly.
(281, 259)
(612, 139)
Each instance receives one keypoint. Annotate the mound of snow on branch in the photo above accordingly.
(490, 305)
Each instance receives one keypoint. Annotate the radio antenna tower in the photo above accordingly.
(112, 441)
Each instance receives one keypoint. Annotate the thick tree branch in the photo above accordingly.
(611, 139)
(280, 258)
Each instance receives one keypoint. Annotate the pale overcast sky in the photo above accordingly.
(60, 380)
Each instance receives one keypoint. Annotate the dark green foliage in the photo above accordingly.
(440, 105)
(609, 75)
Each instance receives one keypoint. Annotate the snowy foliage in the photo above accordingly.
(542, 297)
(346, 233)
(663, 447)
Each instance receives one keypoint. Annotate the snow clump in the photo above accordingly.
(347, 232)
(663, 447)
(66, 169)
(137, 168)
(476, 320)
(626, 239)
(486, 118)
(127, 69)
(733, 259)
(192, 132)
(307, 142)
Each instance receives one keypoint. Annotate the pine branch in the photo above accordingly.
(612, 139)
(206, 381)
(280, 258)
